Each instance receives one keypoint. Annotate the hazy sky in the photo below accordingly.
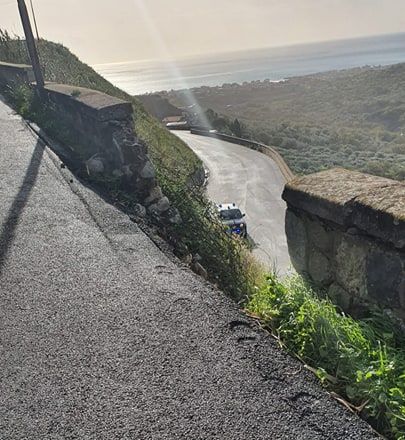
(101, 31)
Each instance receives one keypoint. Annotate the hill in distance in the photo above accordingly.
(353, 118)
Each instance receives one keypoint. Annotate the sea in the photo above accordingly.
(275, 64)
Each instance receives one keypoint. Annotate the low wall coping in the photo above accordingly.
(11, 73)
(100, 106)
(15, 66)
(374, 205)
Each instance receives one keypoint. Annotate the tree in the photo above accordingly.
(236, 128)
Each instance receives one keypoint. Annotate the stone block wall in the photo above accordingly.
(101, 131)
(346, 232)
(12, 74)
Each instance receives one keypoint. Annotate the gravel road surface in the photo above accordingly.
(253, 181)
(104, 337)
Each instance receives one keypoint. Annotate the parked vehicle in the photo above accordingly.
(231, 216)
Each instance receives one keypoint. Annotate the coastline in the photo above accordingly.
(273, 64)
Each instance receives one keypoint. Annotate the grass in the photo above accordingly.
(228, 259)
(361, 360)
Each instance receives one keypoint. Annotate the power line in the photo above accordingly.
(35, 19)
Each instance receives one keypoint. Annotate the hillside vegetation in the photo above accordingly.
(61, 66)
(227, 260)
(353, 118)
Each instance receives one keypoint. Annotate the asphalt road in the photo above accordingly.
(104, 337)
(253, 181)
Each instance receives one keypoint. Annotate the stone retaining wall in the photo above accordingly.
(100, 128)
(11, 74)
(346, 232)
(101, 131)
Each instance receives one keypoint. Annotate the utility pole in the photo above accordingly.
(32, 49)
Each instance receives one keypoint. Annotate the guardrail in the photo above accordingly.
(257, 146)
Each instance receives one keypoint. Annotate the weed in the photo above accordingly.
(351, 357)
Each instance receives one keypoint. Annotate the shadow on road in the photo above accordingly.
(8, 228)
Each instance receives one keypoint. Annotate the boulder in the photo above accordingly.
(148, 171)
(117, 173)
(174, 216)
(199, 269)
(139, 210)
(95, 165)
(154, 195)
(160, 206)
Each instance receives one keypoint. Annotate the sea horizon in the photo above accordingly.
(274, 64)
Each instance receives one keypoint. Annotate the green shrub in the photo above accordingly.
(362, 360)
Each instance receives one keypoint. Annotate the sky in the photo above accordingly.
(104, 31)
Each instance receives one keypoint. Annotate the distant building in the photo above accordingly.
(173, 119)
(160, 107)
(176, 122)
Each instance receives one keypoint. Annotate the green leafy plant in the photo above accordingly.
(350, 357)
